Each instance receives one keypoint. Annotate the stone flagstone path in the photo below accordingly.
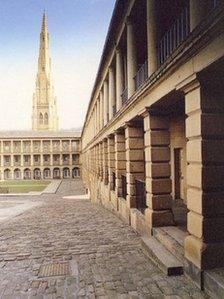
(71, 248)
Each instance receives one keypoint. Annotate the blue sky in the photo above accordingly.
(77, 33)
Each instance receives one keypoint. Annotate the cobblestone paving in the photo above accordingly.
(103, 255)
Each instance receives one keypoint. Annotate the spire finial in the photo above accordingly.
(44, 22)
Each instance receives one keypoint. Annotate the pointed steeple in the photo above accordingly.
(44, 55)
(44, 102)
(44, 22)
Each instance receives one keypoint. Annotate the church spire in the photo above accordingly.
(44, 22)
(44, 102)
(44, 55)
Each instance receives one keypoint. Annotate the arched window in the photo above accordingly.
(41, 119)
(46, 118)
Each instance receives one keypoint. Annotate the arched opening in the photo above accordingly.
(66, 173)
(7, 174)
(46, 118)
(56, 173)
(47, 173)
(41, 119)
(75, 172)
(27, 174)
(37, 174)
(17, 174)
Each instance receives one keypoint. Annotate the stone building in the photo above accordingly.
(39, 155)
(45, 152)
(153, 138)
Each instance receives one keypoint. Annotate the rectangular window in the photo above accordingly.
(46, 158)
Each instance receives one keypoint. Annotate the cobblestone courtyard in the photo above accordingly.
(95, 254)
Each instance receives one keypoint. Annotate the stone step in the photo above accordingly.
(168, 263)
(172, 238)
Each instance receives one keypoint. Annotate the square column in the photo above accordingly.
(94, 119)
(105, 161)
(111, 160)
(204, 247)
(151, 36)
(101, 110)
(131, 57)
(119, 78)
(135, 166)
(100, 161)
(112, 92)
(157, 159)
(97, 115)
(120, 160)
(105, 102)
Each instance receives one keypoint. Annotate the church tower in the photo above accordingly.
(44, 102)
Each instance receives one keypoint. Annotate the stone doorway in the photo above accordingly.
(178, 143)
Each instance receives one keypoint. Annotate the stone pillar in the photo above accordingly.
(111, 160)
(120, 160)
(198, 11)
(135, 166)
(98, 115)
(105, 101)
(131, 58)
(204, 247)
(101, 110)
(151, 36)
(112, 91)
(157, 161)
(97, 161)
(119, 78)
(94, 121)
(101, 161)
(105, 161)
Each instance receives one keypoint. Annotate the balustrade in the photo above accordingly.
(141, 75)
(174, 36)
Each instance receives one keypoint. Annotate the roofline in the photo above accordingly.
(103, 55)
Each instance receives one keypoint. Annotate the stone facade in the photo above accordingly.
(160, 134)
(39, 155)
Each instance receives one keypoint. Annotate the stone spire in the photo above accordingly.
(44, 102)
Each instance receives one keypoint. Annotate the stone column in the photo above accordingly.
(119, 78)
(131, 58)
(105, 101)
(112, 91)
(101, 161)
(98, 115)
(105, 162)
(198, 11)
(135, 166)
(151, 36)
(204, 247)
(97, 160)
(101, 110)
(93, 116)
(111, 160)
(120, 160)
(157, 159)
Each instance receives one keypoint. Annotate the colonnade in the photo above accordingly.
(118, 83)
